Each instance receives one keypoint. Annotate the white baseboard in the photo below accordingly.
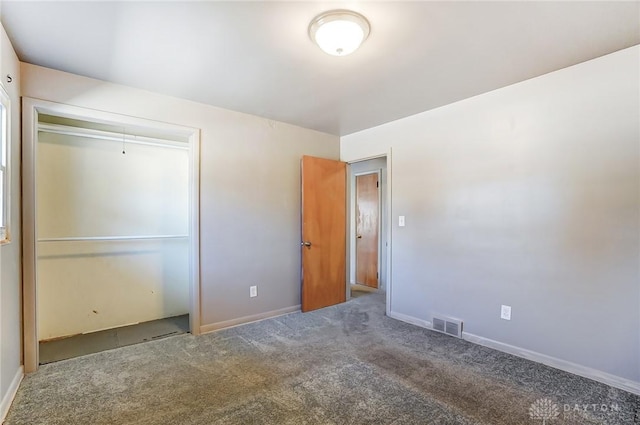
(567, 366)
(410, 319)
(11, 393)
(574, 368)
(248, 319)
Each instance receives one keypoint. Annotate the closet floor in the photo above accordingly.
(94, 342)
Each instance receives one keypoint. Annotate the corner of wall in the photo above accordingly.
(8, 397)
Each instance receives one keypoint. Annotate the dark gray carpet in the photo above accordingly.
(347, 364)
(95, 342)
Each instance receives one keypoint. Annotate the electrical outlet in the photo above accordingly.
(253, 291)
(505, 312)
(401, 220)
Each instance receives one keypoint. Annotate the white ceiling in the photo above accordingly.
(256, 57)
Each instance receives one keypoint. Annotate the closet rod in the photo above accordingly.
(112, 238)
(111, 136)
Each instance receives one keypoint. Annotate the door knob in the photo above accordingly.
(306, 243)
(359, 236)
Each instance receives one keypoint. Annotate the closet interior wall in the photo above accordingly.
(112, 227)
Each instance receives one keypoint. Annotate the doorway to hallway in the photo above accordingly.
(368, 227)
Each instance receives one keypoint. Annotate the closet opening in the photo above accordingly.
(111, 250)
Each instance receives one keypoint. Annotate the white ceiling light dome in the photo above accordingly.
(339, 32)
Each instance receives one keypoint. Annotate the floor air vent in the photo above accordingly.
(447, 325)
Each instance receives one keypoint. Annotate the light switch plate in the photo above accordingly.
(401, 221)
(253, 291)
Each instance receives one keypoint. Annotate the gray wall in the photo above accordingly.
(249, 189)
(526, 196)
(250, 223)
(11, 254)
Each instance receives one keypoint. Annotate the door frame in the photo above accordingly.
(30, 109)
(387, 221)
(354, 221)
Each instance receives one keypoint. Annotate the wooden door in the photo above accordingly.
(323, 232)
(367, 227)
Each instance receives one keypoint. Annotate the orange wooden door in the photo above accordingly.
(367, 226)
(323, 232)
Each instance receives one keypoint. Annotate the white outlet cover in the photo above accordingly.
(253, 291)
(505, 312)
(401, 221)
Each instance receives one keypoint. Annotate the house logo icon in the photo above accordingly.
(544, 409)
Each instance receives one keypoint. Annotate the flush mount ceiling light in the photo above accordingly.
(339, 32)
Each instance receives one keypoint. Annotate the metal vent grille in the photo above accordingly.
(452, 328)
(438, 324)
(447, 325)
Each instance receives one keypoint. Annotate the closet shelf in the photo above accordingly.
(112, 238)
